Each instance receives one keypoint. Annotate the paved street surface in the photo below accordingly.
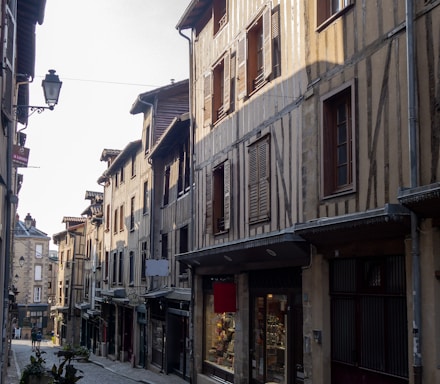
(99, 369)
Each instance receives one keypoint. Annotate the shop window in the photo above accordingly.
(338, 142)
(259, 180)
(219, 336)
(220, 14)
(328, 9)
(368, 315)
(258, 53)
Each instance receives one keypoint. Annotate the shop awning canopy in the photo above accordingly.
(275, 250)
(424, 200)
(390, 221)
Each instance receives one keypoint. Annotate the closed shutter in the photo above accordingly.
(259, 181)
(267, 42)
(207, 93)
(264, 172)
(209, 213)
(241, 67)
(227, 193)
(227, 83)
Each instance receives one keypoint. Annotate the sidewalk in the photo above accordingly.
(122, 369)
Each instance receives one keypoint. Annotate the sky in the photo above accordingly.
(106, 53)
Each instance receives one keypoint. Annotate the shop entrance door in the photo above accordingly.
(276, 345)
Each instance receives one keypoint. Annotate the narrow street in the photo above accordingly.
(97, 370)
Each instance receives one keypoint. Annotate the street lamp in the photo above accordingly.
(51, 88)
(21, 261)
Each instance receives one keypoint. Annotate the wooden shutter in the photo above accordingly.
(253, 184)
(209, 213)
(264, 174)
(241, 67)
(227, 193)
(207, 94)
(227, 83)
(267, 42)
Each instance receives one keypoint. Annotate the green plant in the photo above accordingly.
(36, 367)
(66, 373)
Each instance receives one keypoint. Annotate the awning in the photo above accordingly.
(180, 294)
(275, 250)
(82, 306)
(157, 294)
(424, 200)
(118, 292)
(390, 221)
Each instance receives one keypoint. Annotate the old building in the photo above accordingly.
(31, 263)
(18, 20)
(71, 282)
(316, 190)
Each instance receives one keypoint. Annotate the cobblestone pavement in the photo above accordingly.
(99, 369)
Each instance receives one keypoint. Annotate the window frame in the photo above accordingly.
(325, 15)
(330, 186)
(219, 14)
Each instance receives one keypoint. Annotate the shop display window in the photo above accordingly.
(219, 336)
(269, 339)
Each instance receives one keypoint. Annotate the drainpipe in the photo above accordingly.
(153, 118)
(414, 176)
(192, 210)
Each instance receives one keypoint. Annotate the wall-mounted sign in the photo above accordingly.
(20, 156)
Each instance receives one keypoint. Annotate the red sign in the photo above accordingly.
(20, 156)
(224, 297)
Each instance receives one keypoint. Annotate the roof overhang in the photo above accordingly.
(193, 14)
(390, 221)
(424, 200)
(277, 250)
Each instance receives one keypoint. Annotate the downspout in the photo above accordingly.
(414, 179)
(153, 118)
(192, 210)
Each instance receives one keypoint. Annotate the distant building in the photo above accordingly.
(30, 263)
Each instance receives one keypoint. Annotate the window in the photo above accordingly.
(116, 180)
(328, 8)
(221, 197)
(166, 187)
(133, 166)
(115, 267)
(131, 271)
(368, 315)
(132, 214)
(259, 180)
(222, 88)
(220, 14)
(38, 251)
(164, 246)
(122, 175)
(144, 255)
(107, 218)
(121, 267)
(147, 139)
(145, 200)
(121, 218)
(183, 248)
(37, 294)
(337, 142)
(106, 265)
(115, 221)
(38, 273)
(183, 180)
(259, 53)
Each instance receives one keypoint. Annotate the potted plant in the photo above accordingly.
(66, 373)
(36, 372)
